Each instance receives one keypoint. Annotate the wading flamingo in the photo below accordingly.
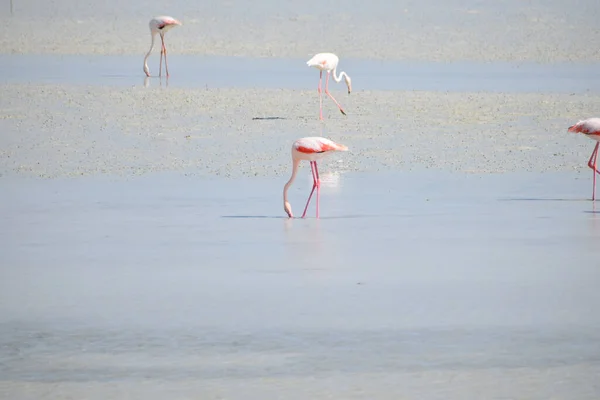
(328, 62)
(591, 128)
(309, 149)
(159, 25)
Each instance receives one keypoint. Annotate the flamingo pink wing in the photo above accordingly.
(311, 146)
(588, 127)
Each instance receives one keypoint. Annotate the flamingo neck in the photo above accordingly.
(338, 78)
(295, 164)
(146, 69)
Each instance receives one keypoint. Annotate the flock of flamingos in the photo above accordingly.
(314, 148)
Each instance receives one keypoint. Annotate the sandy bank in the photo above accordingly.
(55, 131)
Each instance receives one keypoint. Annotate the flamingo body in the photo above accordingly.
(309, 149)
(328, 62)
(160, 25)
(315, 148)
(591, 128)
(324, 61)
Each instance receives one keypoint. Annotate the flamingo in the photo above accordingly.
(591, 128)
(159, 25)
(309, 149)
(328, 62)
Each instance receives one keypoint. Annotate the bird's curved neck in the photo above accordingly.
(339, 77)
(295, 164)
(149, 52)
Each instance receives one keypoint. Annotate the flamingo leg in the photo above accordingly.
(592, 160)
(320, 96)
(162, 50)
(312, 169)
(318, 183)
(165, 50)
(592, 163)
(329, 94)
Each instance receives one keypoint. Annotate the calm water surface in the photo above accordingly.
(169, 279)
(239, 72)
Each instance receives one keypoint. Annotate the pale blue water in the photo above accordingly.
(504, 264)
(201, 72)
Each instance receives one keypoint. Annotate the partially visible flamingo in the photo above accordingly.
(328, 62)
(309, 149)
(591, 128)
(159, 25)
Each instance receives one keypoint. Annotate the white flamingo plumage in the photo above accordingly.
(309, 149)
(591, 128)
(328, 62)
(159, 25)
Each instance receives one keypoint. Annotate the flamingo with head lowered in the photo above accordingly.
(591, 128)
(159, 25)
(328, 62)
(309, 149)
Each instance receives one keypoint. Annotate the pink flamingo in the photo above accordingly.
(159, 25)
(591, 128)
(328, 62)
(309, 149)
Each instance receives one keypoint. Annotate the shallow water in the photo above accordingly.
(240, 72)
(411, 285)
(512, 30)
(174, 285)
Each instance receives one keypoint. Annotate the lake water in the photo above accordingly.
(241, 72)
(157, 282)
(419, 285)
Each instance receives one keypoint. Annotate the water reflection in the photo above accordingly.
(304, 240)
(331, 180)
(594, 224)
(160, 79)
(145, 285)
